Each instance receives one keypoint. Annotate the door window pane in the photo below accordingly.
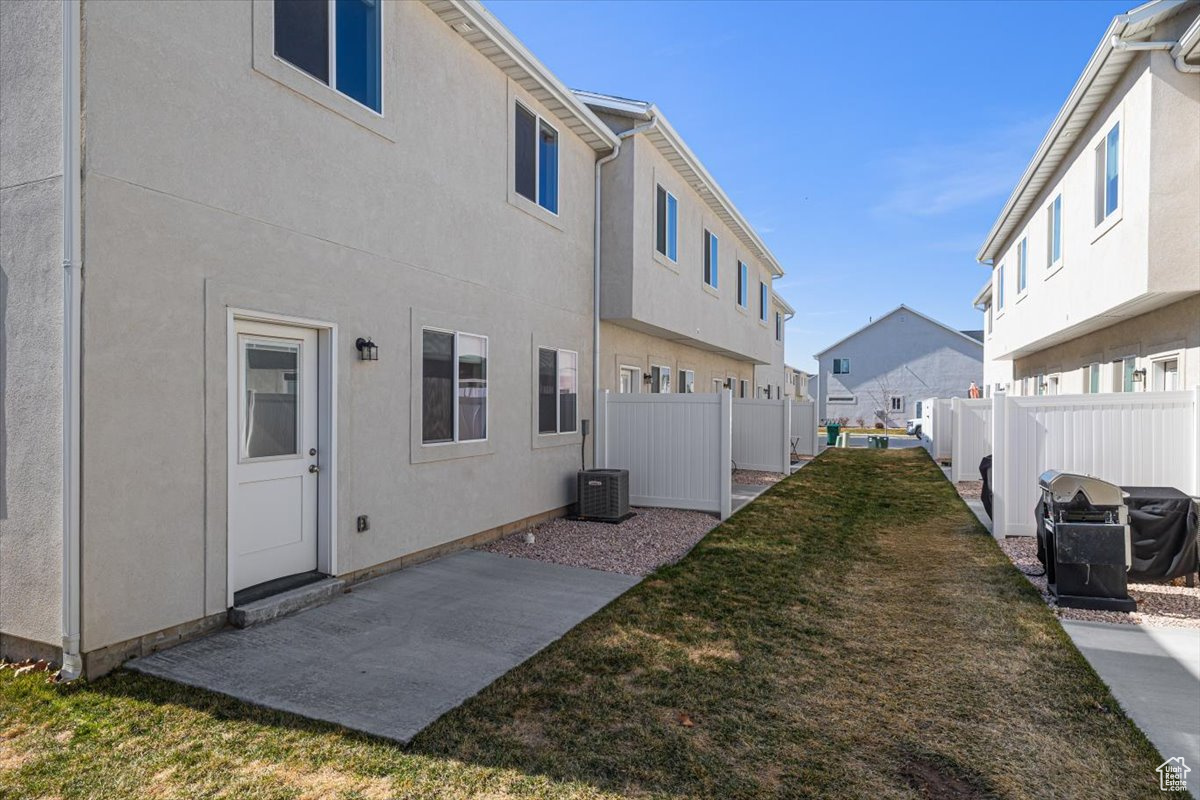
(472, 387)
(358, 50)
(437, 387)
(302, 35)
(547, 374)
(525, 165)
(568, 390)
(270, 400)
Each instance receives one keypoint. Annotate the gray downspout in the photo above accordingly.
(596, 271)
(72, 663)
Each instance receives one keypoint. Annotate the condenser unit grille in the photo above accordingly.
(604, 493)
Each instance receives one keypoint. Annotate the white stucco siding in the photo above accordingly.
(901, 355)
(31, 302)
(237, 190)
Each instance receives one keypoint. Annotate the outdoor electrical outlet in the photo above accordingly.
(363, 523)
(583, 426)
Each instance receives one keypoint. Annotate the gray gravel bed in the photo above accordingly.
(637, 546)
(1161, 604)
(969, 490)
(754, 477)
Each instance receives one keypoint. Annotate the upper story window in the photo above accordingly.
(1000, 288)
(453, 387)
(535, 164)
(338, 42)
(743, 287)
(762, 301)
(1054, 232)
(1108, 173)
(987, 316)
(710, 259)
(841, 366)
(558, 390)
(666, 221)
(778, 327)
(1022, 264)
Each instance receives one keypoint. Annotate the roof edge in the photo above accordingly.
(901, 307)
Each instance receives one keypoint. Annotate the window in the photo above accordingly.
(1022, 264)
(1091, 374)
(338, 42)
(631, 377)
(763, 392)
(987, 318)
(660, 379)
(1166, 375)
(1000, 288)
(453, 387)
(1123, 374)
(778, 327)
(841, 399)
(558, 390)
(535, 164)
(710, 259)
(1052, 385)
(1054, 232)
(743, 286)
(270, 399)
(666, 223)
(896, 403)
(687, 381)
(743, 388)
(1108, 173)
(718, 385)
(1039, 385)
(841, 366)
(762, 301)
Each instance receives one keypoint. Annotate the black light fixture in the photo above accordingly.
(647, 378)
(367, 351)
(1139, 375)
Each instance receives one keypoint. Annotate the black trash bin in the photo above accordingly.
(985, 472)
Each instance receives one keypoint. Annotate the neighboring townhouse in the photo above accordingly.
(882, 371)
(686, 301)
(797, 385)
(771, 380)
(1095, 258)
(335, 314)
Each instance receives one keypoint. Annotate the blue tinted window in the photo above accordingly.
(1111, 169)
(672, 227)
(1021, 264)
(358, 50)
(762, 301)
(743, 285)
(1056, 230)
(302, 35)
(548, 168)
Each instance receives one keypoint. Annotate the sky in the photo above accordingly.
(871, 145)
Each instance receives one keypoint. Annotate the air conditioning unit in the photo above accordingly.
(604, 494)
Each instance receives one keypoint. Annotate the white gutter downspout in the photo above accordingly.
(596, 269)
(72, 664)
(1120, 44)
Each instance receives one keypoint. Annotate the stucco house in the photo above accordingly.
(686, 300)
(798, 384)
(1095, 257)
(880, 372)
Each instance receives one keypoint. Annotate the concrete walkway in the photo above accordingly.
(742, 493)
(1155, 675)
(399, 651)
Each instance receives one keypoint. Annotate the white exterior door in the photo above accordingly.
(629, 380)
(273, 458)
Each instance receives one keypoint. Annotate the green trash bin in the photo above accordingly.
(877, 442)
(831, 434)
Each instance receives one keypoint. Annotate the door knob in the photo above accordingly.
(313, 468)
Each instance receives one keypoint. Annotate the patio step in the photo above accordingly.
(284, 603)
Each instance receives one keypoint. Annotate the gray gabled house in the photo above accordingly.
(881, 371)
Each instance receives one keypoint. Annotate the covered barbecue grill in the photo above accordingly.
(1084, 542)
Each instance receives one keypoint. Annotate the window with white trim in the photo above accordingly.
(535, 159)
(743, 388)
(1091, 379)
(453, 386)
(630, 380)
(710, 259)
(1122, 373)
(762, 301)
(778, 327)
(687, 381)
(1000, 288)
(1054, 232)
(1108, 173)
(337, 42)
(743, 286)
(1022, 264)
(896, 403)
(558, 390)
(666, 223)
(660, 379)
(841, 366)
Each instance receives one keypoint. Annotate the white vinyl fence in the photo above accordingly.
(972, 436)
(762, 435)
(937, 428)
(677, 447)
(1135, 439)
(804, 428)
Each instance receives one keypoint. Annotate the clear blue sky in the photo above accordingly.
(870, 144)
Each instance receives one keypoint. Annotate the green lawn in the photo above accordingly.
(852, 633)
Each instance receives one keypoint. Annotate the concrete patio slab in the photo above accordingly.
(742, 493)
(397, 652)
(1155, 675)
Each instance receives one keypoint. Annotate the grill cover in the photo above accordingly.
(1162, 525)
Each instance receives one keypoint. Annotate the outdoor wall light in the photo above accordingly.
(647, 378)
(367, 351)
(1139, 375)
